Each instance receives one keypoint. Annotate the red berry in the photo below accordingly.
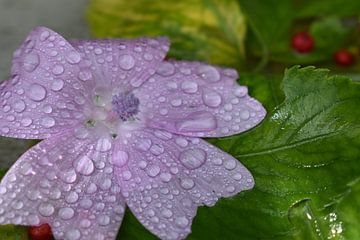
(344, 58)
(302, 42)
(42, 232)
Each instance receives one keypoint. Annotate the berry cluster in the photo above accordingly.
(303, 42)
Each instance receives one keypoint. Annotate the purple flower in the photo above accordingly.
(121, 127)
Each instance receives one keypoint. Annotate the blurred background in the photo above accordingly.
(259, 38)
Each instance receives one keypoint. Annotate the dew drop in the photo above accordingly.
(208, 73)
(244, 114)
(19, 106)
(103, 145)
(85, 223)
(73, 234)
(31, 62)
(211, 98)
(84, 165)
(187, 183)
(166, 69)
(240, 91)
(103, 220)
(44, 35)
(166, 213)
(37, 92)
(230, 164)
(47, 122)
(156, 149)
(46, 209)
(26, 122)
(119, 158)
(72, 197)
(55, 193)
(57, 85)
(58, 69)
(193, 158)
(153, 170)
(143, 144)
(68, 176)
(197, 122)
(126, 62)
(189, 86)
(105, 184)
(73, 57)
(66, 213)
(85, 75)
(181, 222)
(176, 102)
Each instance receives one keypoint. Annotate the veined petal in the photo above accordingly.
(123, 63)
(195, 99)
(166, 177)
(67, 183)
(44, 95)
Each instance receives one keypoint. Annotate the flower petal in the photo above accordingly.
(195, 99)
(43, 97)
(165, 177)
(67, 183)
(123, 63)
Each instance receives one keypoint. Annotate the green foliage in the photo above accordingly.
(210, 30)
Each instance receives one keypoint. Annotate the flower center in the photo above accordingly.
(126, 105)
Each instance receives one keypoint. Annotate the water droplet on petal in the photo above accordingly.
(119, 158)
(166, 213)
(182, 142)
(209, 73)
(181, 222)
(66, 213)
(84, 165)
(156, 149)
(47, 122)
(189, 86)
(165, 177)
(85, 75)
(103, 220)
(187, 183)
(230, 164)
(46, 209)
(105, 184)
(244, 114)
(26, 122)
(153, 170)
(103, 145)
(240, 91)
(166, 69)
(176, 102)
(143, 144)
(193, 158)
(72, 197)
(37, 92)
(31, 62)
(73, 57)
(197, 122)
(85, 223)
(73, 234)
(19, 106)
(57, 85)
(55, 193)
(58, 69)
(68, 176)
(44, 35)
(126, 62)
(211, 98)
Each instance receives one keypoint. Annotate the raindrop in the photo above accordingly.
(73, 234)
(126, 62)
(240, 91)
(119, 158)
(31, 62)
(193, 158)
(143, 144)
(84, 165)
(26, 121)
(244, 114)
(208, 73)
(230, 164)
(156, 149)
(19, 106)
(66, 213)
(176, 102)
(189, 86)
(197, 122)
(211, 98)
(72, 197)
(47, 122)
(166, 69)
(68, 176)
(73, 57)
(166, 213)
(85, 75)
(37, 92)
(46, 209)
(153, 170)
(57, 85)
(187, 183)
(103, 145)
(181, 222)
(58, 69)
(103, 220)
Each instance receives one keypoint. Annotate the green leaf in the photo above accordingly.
(12, 232)
(304, 158)
(210, 30)
(310, 8)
